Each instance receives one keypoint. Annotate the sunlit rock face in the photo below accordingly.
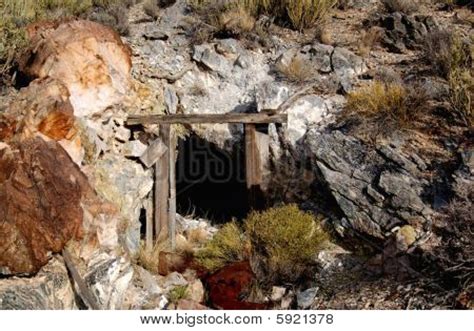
(40, 204)
(89, 58)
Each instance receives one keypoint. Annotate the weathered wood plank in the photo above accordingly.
(153, 153)
(257, 152)
(258, 118)
(162, 187)
(262, 141)
(172, 196)
(148, 205)
(252, 158)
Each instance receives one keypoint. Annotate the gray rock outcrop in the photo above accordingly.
(49, 289)
(375, 189)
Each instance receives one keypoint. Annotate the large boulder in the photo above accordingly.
(376, 190)
(89, 58)
(41, 190)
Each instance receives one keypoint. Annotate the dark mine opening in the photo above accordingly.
(210, 181)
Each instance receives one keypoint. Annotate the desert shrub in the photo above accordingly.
(387, 103)
(114, 15)
(446, 52)
(455, 226)
(308, 13)
(178, 293)
(402, 6)
(368, 40)
(451, 58)
(227, 246)
(236, 21)
(297, 70)
(281, 243)
(461, 91)
(301, 14)
(285, 242)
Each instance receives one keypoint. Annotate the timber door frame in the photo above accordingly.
(164, 224)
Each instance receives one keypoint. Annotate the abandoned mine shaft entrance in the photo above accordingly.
(204, 174)
(210, 181)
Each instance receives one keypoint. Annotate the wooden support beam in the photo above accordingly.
(172, 184)
(148, 205)
(162, 186)
(252, 160)
(256, 154)
(242, 118)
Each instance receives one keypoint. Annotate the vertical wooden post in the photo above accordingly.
(162, 186)
(172, 185)
(148, 205)
(252, 164)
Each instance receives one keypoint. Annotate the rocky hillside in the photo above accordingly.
(377, 152)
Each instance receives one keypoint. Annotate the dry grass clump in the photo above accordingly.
(387, 103)
(368, 40)
(236, 21)
(300, 14)
(281, 243)
(149, 259)
(297, 70)
(402, 6)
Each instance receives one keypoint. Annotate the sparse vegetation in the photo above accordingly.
(236, 21)
(16, 14)
(227, 246)
(387, 103)
(149, 259)
(402, 6)
(281, 243)
(451, 58)
(178, 293)
(368, 40)
(300, 14)
(297, 70)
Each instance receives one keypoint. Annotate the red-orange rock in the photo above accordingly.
(41, 191)
(228, 284)
(89, 58)
(42, 107)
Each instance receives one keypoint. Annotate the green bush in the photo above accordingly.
(226, 246)
(178, 293)
(281, 243)
(284, 242)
